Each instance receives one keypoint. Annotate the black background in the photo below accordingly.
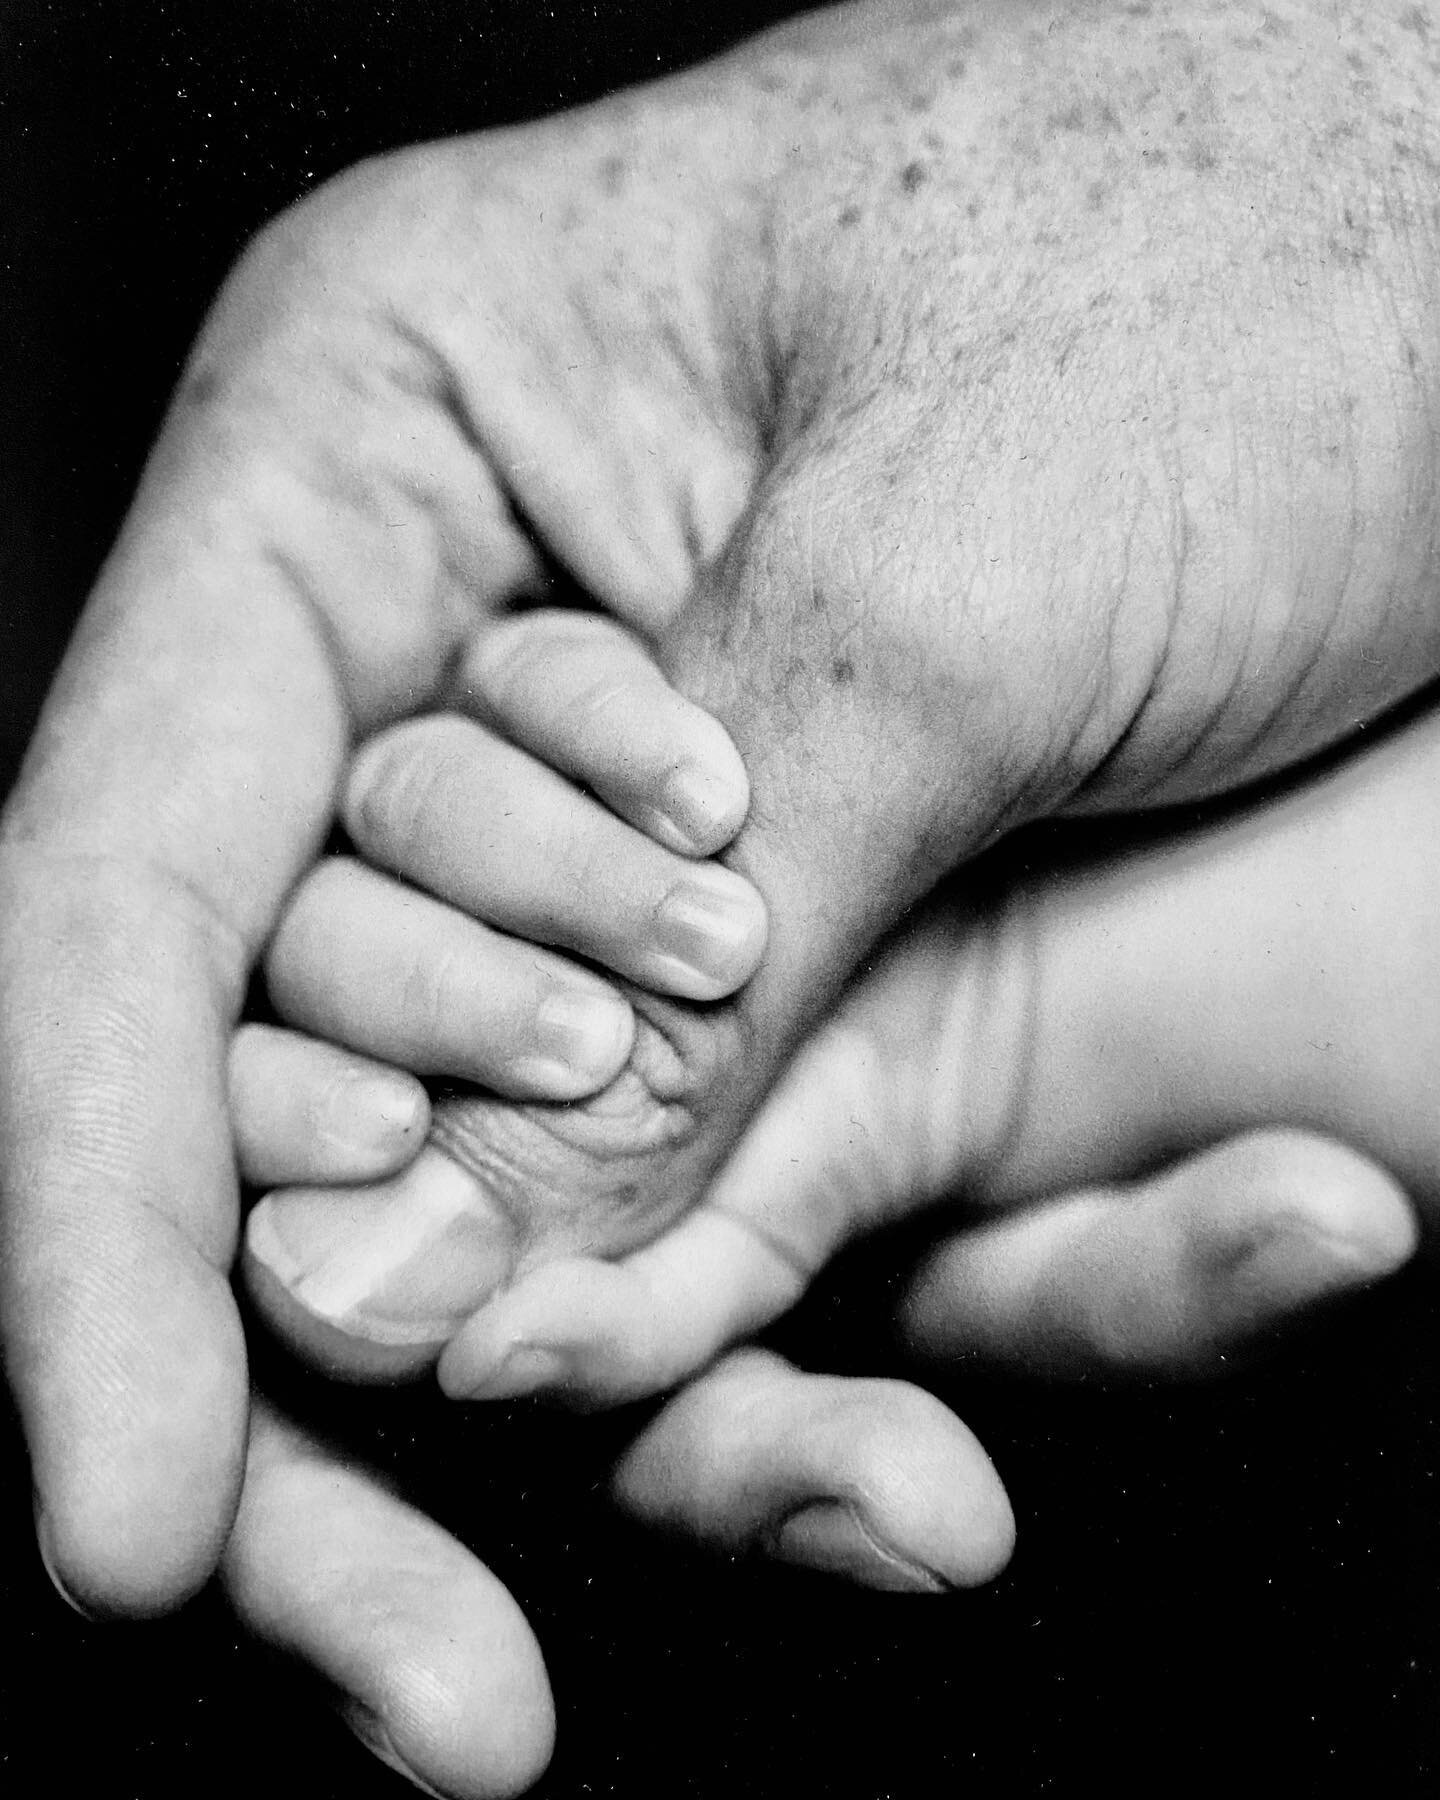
(1230, 1587)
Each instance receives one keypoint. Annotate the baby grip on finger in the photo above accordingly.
(585, 695)
(369, 1283)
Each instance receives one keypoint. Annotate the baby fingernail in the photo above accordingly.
(709, 934)
(705, 808)
(582, 1035)
(525, 1369)
(375, 1109)
(830, 1535)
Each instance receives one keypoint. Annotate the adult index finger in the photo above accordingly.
(431, 1663)
(260, 607)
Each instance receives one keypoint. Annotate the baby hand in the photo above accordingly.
(465, 967)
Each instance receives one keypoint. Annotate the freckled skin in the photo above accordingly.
(997, 476)
(1148, 576)
(200, 391)
(983, 468)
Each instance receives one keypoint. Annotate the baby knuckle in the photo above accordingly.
(403, 791)
(606, 706)
(432, 997)
(505, 663)
(542, 651)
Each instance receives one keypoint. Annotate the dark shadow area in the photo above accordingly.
(1220, 1589)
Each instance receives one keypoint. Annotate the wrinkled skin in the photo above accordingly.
(1090, 498)
(1034, 425)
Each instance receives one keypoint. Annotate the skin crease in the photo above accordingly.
(246, 631)
(377, 378)
(1271, 977)
(1013, 463)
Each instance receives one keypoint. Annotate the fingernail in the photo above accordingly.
(367, 1726)
(583, 1034)
(408, 1259)
(707, 933)
(45, 1542)
(830, 1535)
(704, 808)
(371, 1109)
(525, 1369)
(1290, 1268)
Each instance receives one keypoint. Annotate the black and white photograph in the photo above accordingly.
(719, 899)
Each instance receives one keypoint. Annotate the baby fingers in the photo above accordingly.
(366, 962)
(307, 1111)
(477, 822)
(583, 695)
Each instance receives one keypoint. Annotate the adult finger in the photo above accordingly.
(866, 1126)
(379, 1282)
(1178, 1274)
(1181, 1273)
(875, 1481)
(126, 930)
(182, 776)
(303, 1110)
(432, 1663)
(600, 1333)
(369, 1282)
(863, 1127)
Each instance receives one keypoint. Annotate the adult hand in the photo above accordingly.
(902, 349)
(1168, 1038)
(874, 1480)
(1022, 509)
(427, 1655)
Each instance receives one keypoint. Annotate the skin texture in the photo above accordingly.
(875, 1480)
(1046, 426)
(1271, 985)
(550, 694)
(324, 526)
